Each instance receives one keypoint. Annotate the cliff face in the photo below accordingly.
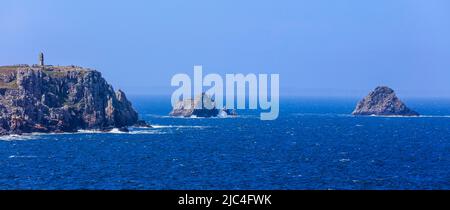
(59, 99)
(383, 101)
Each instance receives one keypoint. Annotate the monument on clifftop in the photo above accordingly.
(41, 59)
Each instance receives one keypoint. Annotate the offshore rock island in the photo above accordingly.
(201, 106)
(45, 98)
(383, 101)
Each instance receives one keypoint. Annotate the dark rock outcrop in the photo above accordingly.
(383, 101)
(200, 106)
(60, 99)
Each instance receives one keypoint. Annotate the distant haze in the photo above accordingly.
(319, 48)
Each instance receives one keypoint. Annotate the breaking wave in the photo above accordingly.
(179, 126)
(196, 117)
(15, 137)
(155, 129)
(132, 130)
(378, 116)
(22, 156)
(401, 116)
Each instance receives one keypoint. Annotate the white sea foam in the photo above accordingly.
(90, 131)
(146, 132)
(377, 116)
(322, 114)
(401, 116)
(179, 126)
(436, 116)
(22, 156)
(162, 116)
(14, 137)
(197, 117)
(132, 131)
(116, 130)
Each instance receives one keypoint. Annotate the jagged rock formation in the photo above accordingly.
(60, 99)
(383, 101)
(195, 107)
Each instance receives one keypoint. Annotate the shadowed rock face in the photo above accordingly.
(60, 99)
(195, 107)
(383, 101)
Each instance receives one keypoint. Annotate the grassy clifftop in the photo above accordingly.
(8, 74)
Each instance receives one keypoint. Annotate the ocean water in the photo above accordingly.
(314, 144)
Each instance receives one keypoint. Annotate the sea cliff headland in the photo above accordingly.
(45, 98)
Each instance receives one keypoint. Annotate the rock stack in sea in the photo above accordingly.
(383, 101)
(201, 106)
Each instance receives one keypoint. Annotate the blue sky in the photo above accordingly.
(319, 48)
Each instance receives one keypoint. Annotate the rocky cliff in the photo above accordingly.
(60, 99)
(383, 101)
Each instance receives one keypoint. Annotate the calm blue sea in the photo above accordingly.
(314, 144)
